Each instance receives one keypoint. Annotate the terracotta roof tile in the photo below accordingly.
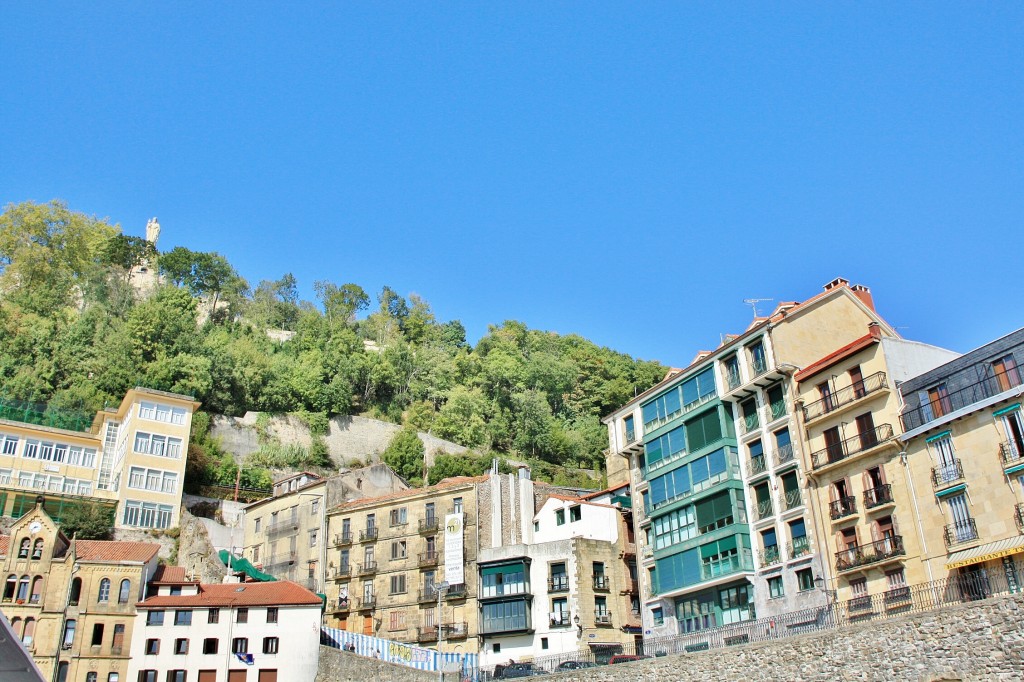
(170, 575)
(442, 485)
(115, 551)
(279, 593)
(873, 336)
(4, 541)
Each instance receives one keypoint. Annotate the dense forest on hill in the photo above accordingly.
(75, 333)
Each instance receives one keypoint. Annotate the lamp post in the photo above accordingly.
(440, 588)
(819, 582)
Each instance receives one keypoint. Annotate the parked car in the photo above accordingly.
(623, 658)
(514, 670)
(575, 665)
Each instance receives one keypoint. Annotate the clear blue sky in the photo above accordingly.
(630, 172)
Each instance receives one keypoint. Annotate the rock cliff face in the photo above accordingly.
(196, 552)
(347, 438)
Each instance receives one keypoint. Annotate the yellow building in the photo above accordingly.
(131, 458)
(72, 602)
(964, 444)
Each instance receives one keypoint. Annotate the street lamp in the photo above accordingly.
(440, 588)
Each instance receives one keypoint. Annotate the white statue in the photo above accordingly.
(152, 231)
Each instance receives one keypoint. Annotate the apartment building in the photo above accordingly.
(130, 459)
(567, 587)
(285, 534)
(963, 441)
(230, 632)
(850, 413)
(72, 602)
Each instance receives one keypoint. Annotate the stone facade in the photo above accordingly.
(979, 641)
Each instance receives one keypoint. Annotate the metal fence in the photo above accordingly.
(898, 601)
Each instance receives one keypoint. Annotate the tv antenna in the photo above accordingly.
(752, 302)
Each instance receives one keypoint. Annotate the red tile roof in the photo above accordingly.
(170, 575)
(442, 485)
(4, 541)
(280, 593)
(115, 551)
(873, 336)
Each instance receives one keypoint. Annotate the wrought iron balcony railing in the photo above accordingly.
(428, 559)
(368, 534)
(799, 547)
(844, 506)
(792, 499)
(878, 496)
(602, 582)
(342, 539)
(602, 617)
(845, 396)
(758, 465)
(784, 454)
(558, 583)
(947, 474)
(931, 410)
(870, 553)
(559, 619)
(367, 568)
(1011, 453)
(960, 532)
(770, 556)
(429, 524)
(764, 509)
(1018, 516)
(851, 446)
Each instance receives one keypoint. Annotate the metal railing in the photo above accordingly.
(368, 602)
(961, 398)
(602, 582)
(775, 410)
(367, 568)
(784, 454)
(792, 499)
(769, 556)
(428, 559)
(1011, 453)
(878, 496)
(340, 572)
(559, 619)
(427, 595)
(44, 414)
(429, 524)
(764, 509)
(851, 446)
(341, 605)
(844, 506)
(799, 547)
(289, 525)
(751, 421)
(455, 630)
(959, 532)
(1018, 516)
(870, 553)
(342, 539)
(602, 617)
(455, 591)
(947, 474)
(368, 534)
(732, 377)
(758, 465)
(844, 396)
(558, 583)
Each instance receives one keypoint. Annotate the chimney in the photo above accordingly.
(864, 294)
(837, 282)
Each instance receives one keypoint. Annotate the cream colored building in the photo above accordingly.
(73, 601)
(131, 458)
(964, 444)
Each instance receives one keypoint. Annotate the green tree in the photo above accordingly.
(88, 522)
(404, 454)
(340, 303)
(467, 464)
(126, 252)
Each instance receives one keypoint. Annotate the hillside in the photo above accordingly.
(83, 317)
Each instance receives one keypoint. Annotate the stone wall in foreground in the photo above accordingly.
(979, 641)
(340, 666)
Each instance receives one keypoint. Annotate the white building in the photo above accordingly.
(234, 632)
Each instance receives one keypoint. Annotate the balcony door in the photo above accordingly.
(947, 470)
(961, 516)
(1014, 433)
(866, 431)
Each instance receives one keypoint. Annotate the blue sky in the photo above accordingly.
(630, 172)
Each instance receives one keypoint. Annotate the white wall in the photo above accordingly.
(597, 522)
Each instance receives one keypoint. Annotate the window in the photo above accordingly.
(945, 457)
(1006, 373)
(118, 641)
(104, 594)
(662, 408)
(176, 676)
(147, 676)
(91, 677)
(398, 584)
(938, 400)
(272, 614)
(658, 616)
(396, 620)
(210, 645)
(775, 588)
(213, 616)
(270, 645)
(805, 579)
(242, 615)
(180, 646)
(175, 590)
(496, 648)
(559, 517)
(240, 645)
(313, 537)
(147, 514)
(152, 647)
(155, 618)
(667, 447)
(398, 516)
(497, 581)
(8, 444)
(575, 513)
(457, 505)
(69, 634)
(259, 522)
(314, 506)
(183, 617)
(125, 592)
(859, 587)
(504, 616)
(113, 677)
(97, 634)
(399, 550)
(543, 642)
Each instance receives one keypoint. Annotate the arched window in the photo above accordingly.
(104, 590)
(76, 592)
(125, 591)
(30, 630)
(16, 627)
(10, 587)
(37, 549)
(23, 589)
(37, 590)
(23, 549)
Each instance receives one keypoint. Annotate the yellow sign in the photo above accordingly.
(984, 557)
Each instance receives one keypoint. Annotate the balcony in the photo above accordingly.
(426, 595)
(427, 559)
(878, 496)
(342, 539)
(785, 454)
(959, 532)
(455, 591)
(282, 559)
(368, 568)
(763, 510)
(751, 422)
(602, 583)
(426, 633)
(631, 587)
(855, 445)
(602, 617)
(340, 573)
(792, 499)
(290, 525)
(732, 376)
(758, 465)
(559, 619)
(946, 475)
(455, 630)
(843, 507)
(341, 605)
(368, 602)
(775, 410)
(870, 553)
(1018, 516)
(727, 565)
(799, 547)
(368, 535)
(769, 556)
(964, 397)
(558, 583)
(429, 524)
(845, 396)
(1011, 453)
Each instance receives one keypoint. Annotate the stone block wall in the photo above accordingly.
(341, 666)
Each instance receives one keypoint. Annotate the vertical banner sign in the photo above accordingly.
(454, 565)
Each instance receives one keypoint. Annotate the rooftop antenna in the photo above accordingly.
(752, 302)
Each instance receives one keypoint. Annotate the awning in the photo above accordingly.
(986, 552)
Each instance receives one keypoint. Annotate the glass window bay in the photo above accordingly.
(696, 505)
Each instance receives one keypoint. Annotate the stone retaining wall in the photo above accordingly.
(979, 641)
(341, 666)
